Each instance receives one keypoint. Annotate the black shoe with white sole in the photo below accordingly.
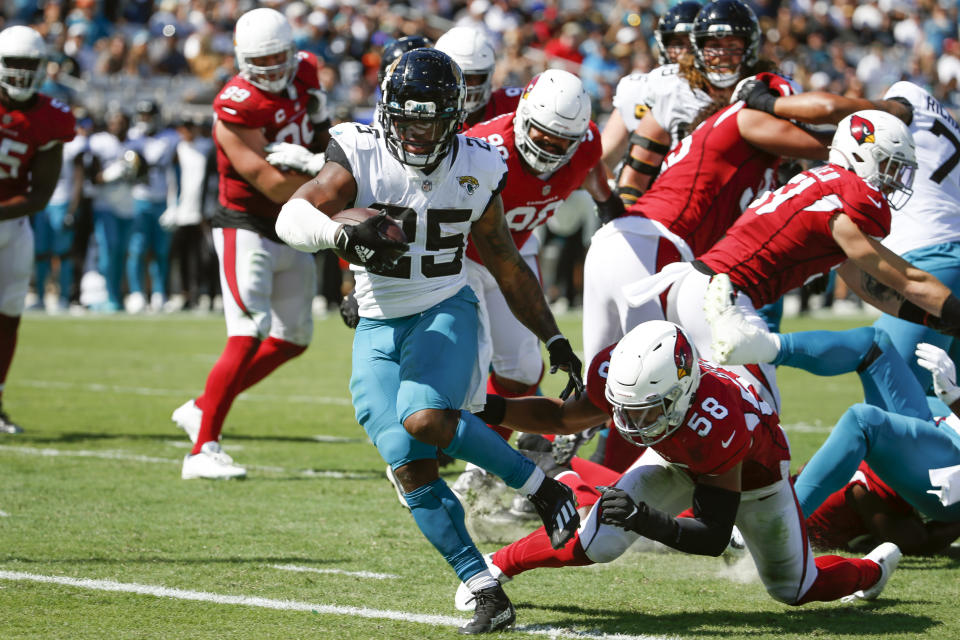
(7, 425)
(557, 508)
(493, 612)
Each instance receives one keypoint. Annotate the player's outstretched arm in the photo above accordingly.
(817, 107)
(892, 284)
(522, 291)
(44, 172)
(540, 414)
(780, 137)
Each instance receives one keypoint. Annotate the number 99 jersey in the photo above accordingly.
(25, 132)
(436, 211)
(727, 423)
(283, 118)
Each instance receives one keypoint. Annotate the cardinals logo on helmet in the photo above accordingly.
(683, 356)
(529, 87)
(862, 130)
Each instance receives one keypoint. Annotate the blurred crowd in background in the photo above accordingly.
(110, 55)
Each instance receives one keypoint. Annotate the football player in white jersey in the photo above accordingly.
(415, 347)
(637, 92)
(725, 39)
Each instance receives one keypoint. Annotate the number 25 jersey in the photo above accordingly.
(436, 211)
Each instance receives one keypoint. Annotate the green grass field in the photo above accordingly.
(100, 538)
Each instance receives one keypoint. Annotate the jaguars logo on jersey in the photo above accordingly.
(469, 183)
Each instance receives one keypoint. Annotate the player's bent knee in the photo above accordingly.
(416, 474)
(786, 594)
(607, 545)
(433, 426)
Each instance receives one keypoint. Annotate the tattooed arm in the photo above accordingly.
(517, 281)
(880, 276)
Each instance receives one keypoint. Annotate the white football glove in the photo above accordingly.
(293, 157)
(936, 361)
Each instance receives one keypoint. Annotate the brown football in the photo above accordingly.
(388, 228)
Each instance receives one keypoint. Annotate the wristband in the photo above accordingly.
(494, 410)
(306, 228)
(549, 342)
(950, 312)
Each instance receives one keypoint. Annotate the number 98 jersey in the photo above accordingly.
(436, 211)
(25, 132)
(727, 423)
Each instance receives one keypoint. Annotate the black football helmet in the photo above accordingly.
(677, 21)
(396, 49)
(422, 106)
(719, 19)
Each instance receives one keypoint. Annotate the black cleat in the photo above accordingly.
(7, 425)
(557, 507)
(493, 612)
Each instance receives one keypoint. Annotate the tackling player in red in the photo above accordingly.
(268, 287)
(33, 128)
(709, 441)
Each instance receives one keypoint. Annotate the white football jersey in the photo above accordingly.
(632, 99)
(932, 215)
(673, 104)
(64, 189)
(436, 211)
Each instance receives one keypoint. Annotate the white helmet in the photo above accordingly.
(264, 32)
(556, 103)
(23, 56)
(471, 49)
(652, 367)
(879, 148)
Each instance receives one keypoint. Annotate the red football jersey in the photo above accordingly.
(282, 117)
(836, 522)
(727, 423)
(784, 237)
(707, 181)
(529, 201)
(24, 132)
(501, 101)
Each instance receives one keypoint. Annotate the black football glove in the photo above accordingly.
(563, 357)
(350, 310)
(758, 96)
(618, 509)
(610, 209)
(367, 243)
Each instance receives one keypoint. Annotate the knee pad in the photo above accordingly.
(604, 543)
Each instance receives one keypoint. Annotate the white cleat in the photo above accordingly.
(735, 339)
(188, 417)
(887, 555)
(211, 463)
(392, 477)
(465, 600)
(736, 548)
(136, 302)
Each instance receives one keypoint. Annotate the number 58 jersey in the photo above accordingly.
(436, 211)
(727, 423)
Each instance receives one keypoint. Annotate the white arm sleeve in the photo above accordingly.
(306, 228)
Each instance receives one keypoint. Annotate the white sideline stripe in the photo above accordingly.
(293, 605)
(805, 427)
(178, 393)
(358, 574)
(132, 457)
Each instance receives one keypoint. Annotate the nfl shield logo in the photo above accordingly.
(546, 190)
(427, 185)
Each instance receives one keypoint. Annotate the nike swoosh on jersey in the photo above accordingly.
(876, 202)
(728, 441)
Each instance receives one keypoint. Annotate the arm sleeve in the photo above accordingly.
(707, 533)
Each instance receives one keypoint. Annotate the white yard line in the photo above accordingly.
(293, 605)
(132, 457)
(357, 574)
(92, 387)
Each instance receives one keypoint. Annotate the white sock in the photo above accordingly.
(533, 482)
(482, 580)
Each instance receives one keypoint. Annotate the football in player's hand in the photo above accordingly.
(387, 228)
